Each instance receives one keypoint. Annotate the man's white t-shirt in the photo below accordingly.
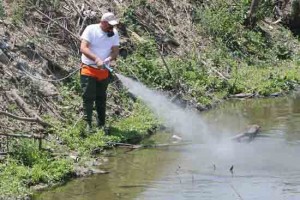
(100, 43)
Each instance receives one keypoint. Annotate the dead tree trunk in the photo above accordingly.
(294, 22)
(253, 7)
(295, 12)
(251, 19)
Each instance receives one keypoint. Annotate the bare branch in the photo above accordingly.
(61, 26)
(23, 105)
(35, 136)
(18, 117)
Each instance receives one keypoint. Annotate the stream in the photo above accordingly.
(267, 168)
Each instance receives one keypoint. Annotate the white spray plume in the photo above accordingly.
(186, 123)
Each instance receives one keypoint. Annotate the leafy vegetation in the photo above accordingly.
(29, 166)
(133, 128)
(238, 60)
(136, 127)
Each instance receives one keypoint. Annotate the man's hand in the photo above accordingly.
(99, 62)
(107, 60)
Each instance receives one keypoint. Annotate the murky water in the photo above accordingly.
(268, 168)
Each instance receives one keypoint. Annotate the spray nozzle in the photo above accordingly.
(108, 68)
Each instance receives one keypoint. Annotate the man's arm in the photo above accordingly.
(85, 49)
(114, 52)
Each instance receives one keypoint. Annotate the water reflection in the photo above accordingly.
(268, 168)
(130, 174)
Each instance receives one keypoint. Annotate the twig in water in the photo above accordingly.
(177, 172)
(236, 192)
(193, 180)
(231, 170)
(231, 185)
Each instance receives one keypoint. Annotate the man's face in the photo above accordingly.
(106, 27)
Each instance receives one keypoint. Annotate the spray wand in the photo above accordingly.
(111, 70)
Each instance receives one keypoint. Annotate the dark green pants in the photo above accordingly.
(94, 91)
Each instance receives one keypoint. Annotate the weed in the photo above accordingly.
(2, 10)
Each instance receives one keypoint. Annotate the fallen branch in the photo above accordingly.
(17, 117)
(139, 146)
(3, 58)
(213, 69)
(164, 62)
(219, 73)
(249, 134)
(124, 145)
(167, 145)
(277, 21)
(52, 110)
(21, 103)
(242, 95)
(34, 136)
(70, 32)
(82, 25)
(269, 22)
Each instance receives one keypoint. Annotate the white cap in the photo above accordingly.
(110, 18)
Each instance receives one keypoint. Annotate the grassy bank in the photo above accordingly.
(28, 166)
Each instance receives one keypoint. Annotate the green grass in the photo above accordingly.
(27, 166)
(131, 129)
(136, 127)
(267, 80)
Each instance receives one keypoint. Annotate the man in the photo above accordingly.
(99, 46)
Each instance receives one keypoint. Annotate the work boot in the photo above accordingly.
(105, 129)
(100, 120)
(89, 128)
